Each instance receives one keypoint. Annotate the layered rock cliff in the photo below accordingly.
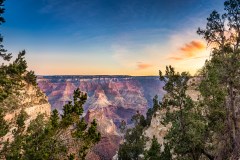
(118, 96)
(111, 99)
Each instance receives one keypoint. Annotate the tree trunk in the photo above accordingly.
(234, 118)
(229, 125)
(208, 155)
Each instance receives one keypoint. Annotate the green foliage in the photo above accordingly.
(134, 141)
(42, 142)
(54, 119)
(152, 111)
(71, 157)
(143, 121)
(1, 12)
(43, 138)
(187, 134)
(208, 128)
(166, 154)
(31, 78)
(80, 128)
(89, 136)
(12, 75)
(71, 112)
(3, 53)
(14, 150)
(93, 135)
(221, 80)
(21, 120)
(19, 66)
(4, 126)
(134, 144)
(154, 152)
(54, 138)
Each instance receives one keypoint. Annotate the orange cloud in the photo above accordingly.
(141, 65)
(175, 58)
(190, 50)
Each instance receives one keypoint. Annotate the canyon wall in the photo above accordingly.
(111, 99)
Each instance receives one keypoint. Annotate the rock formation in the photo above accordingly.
(30, 99)
(159, 130)
(111, 99)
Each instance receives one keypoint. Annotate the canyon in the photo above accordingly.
(111, 99)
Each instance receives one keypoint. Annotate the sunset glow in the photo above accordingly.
(105, 38)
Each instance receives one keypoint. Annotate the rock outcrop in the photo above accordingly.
(30, 99)
(159, 130)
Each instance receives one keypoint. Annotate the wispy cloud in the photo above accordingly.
(141, 65)
(191, 47)
(175, 58)
(181, 49)
(189, 50)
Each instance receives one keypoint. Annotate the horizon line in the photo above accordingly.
(39, 75)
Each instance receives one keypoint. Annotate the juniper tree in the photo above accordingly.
(153, 110)
(42, 139)
(154, 152)
(14, 150)
(58, 136)
(186, 137)
(11, 75)
(4, 127)
(134, 140)
(223, 72)
(54, 138)
(209, 127)
(3, 54)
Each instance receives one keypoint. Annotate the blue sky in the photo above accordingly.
(135, 37)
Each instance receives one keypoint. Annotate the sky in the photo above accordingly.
(108, 37)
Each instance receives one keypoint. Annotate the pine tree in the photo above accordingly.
(54, 139)
(154, 152)
(31, 78)
(3, 54)
(43, 138)
(134, 140)
(221, 78)
(54, 119)
(203, 128)
(12, 75)
(15, 148)
(186, 137)
(4, 126)
(4, 129)
(153, 110)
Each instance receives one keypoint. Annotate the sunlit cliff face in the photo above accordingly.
(124, 92)
(116, 97)
(111, 99)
